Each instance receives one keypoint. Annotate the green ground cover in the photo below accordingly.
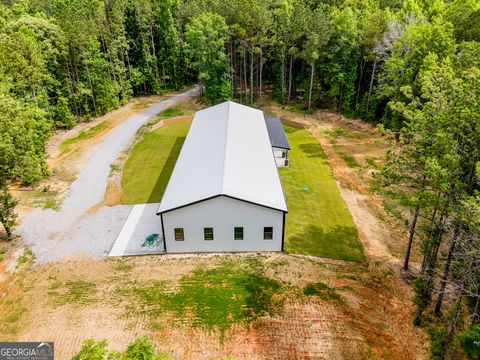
(213, 299)
(83, 135)
(148, 168)
(174, 111)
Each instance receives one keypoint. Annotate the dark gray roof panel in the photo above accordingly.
(276, 133)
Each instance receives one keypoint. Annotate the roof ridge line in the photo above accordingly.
(225, 148)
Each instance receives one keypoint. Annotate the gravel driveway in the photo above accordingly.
(53, 235)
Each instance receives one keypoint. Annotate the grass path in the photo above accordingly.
(319, 222)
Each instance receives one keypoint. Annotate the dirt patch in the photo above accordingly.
(173, 120)
(112, 118)
(178, 120)
(113, 194)
(304, 331)
(294, 124)
(10, 252)
(373, 234)
(383, 235)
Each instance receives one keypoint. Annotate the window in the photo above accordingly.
(179, 236)
(238, 233)
(284, 154)
(208, 233)
(268, 233)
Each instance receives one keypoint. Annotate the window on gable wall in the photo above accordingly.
(179, 235)
(267, 233)
(208, 233)
(238, 233)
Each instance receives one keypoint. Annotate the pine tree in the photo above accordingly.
(7, 210)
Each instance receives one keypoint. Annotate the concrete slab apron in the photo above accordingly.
(54, 235)
(141, 223)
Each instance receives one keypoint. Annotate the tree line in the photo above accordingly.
(412, 66)
(65, 61)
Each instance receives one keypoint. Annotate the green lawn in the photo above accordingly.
(83, 135)
(212, 299)
(148, 168)
(174, 111)
(319, 222)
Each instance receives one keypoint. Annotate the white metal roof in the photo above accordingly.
(227, 152)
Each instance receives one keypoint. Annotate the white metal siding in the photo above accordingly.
(277, 153)
(223, 214)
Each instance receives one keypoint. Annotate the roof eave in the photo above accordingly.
(285, 210)
(281, 147)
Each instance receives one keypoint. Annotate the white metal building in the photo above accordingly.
(278, 139)
(224, 193)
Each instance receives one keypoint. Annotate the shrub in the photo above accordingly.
(140, 349)
(469, 339)
(92, 350)
(25, 257)
(7, 209)
(422, 289)
(437, 335)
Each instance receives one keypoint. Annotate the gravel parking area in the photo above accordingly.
(54, 235)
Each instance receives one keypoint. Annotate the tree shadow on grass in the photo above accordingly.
(341, 242)
(313, 150)
(162, 180)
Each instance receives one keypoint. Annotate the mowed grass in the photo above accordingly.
(318, 222)
(148, 169)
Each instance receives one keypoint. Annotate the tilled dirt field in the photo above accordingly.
(368, 318)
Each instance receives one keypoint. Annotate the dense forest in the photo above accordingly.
(412, 66)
